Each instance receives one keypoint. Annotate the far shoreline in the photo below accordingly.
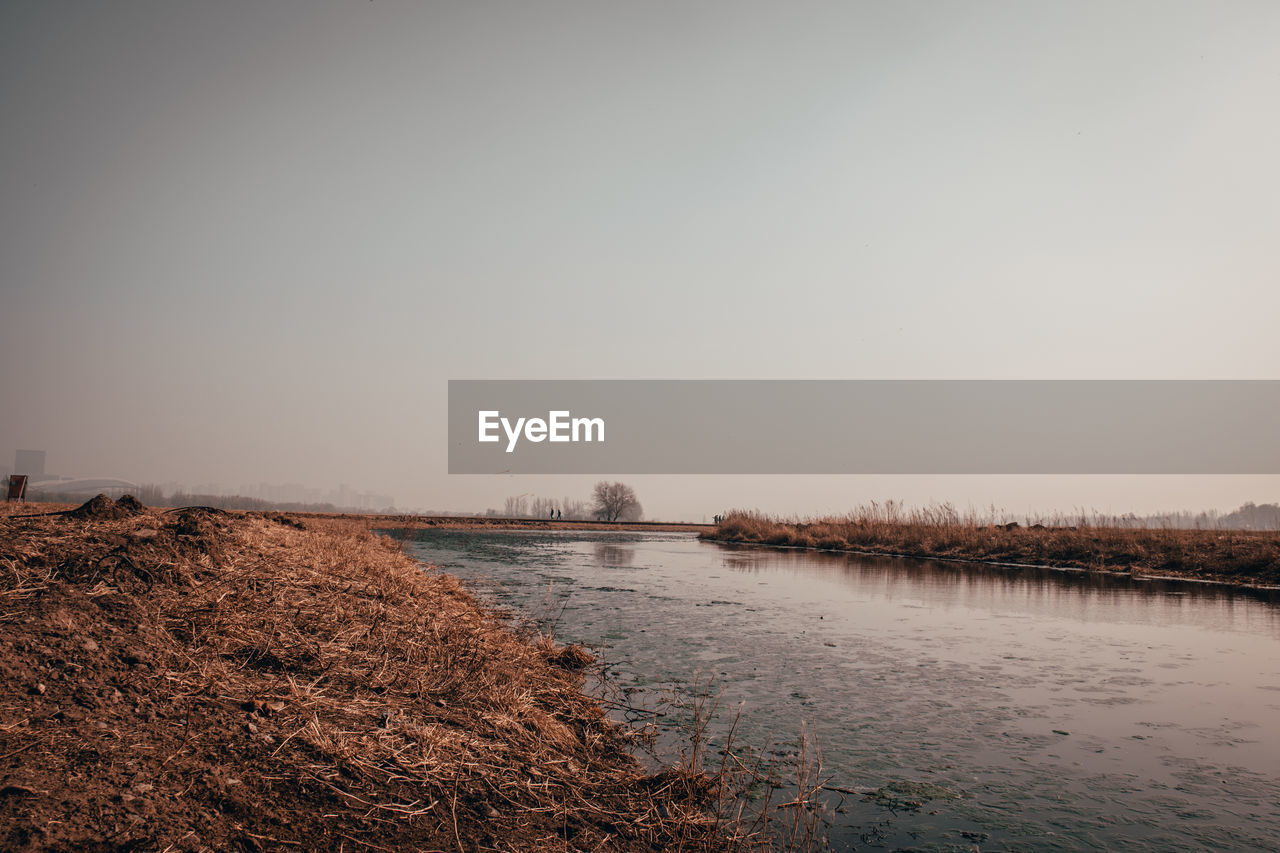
(721, 534)
(384, 521)
(1140, 553)
(487, 522)
(1005, 564)
(1238, 558)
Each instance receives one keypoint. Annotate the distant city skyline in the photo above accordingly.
(343, 495)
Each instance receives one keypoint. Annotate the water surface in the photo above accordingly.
(1068, 711)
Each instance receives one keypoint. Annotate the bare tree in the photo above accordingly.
(575, 508)
(616, 501)
(544, 508)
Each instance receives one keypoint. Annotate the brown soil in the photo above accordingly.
(102, 507)
(203, 680)
(130, 505)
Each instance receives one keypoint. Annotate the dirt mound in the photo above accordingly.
(130, 505)
(101, 507)
(199, 510)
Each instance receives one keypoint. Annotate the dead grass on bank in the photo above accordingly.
(201, 680)
(457, 522)
(1237, 556)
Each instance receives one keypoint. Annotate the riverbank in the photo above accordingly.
(208, 680)
(488, 522)
(1242, 557)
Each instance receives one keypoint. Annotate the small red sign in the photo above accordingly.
(17, 487)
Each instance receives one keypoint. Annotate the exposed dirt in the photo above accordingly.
(102, 507)
(203, 680)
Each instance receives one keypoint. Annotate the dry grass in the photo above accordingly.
(199, 680)
(745, 785)
(1236, 556)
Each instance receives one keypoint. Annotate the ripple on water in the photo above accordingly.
(937, 675)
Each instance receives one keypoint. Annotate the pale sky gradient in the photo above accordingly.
(246, 242)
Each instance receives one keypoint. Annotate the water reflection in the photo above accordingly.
(1074, 711)
(1072, 594)
(614, 555)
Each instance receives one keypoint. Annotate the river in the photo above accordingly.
(993, 708)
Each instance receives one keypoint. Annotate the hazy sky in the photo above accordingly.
(246, 242)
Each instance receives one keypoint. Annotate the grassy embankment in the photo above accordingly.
(486, 522)
(203, 680)
(1233, 556)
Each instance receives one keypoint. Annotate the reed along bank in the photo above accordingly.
(1245, 557)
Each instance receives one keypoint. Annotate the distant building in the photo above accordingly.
(29, 462)
(69, 489)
